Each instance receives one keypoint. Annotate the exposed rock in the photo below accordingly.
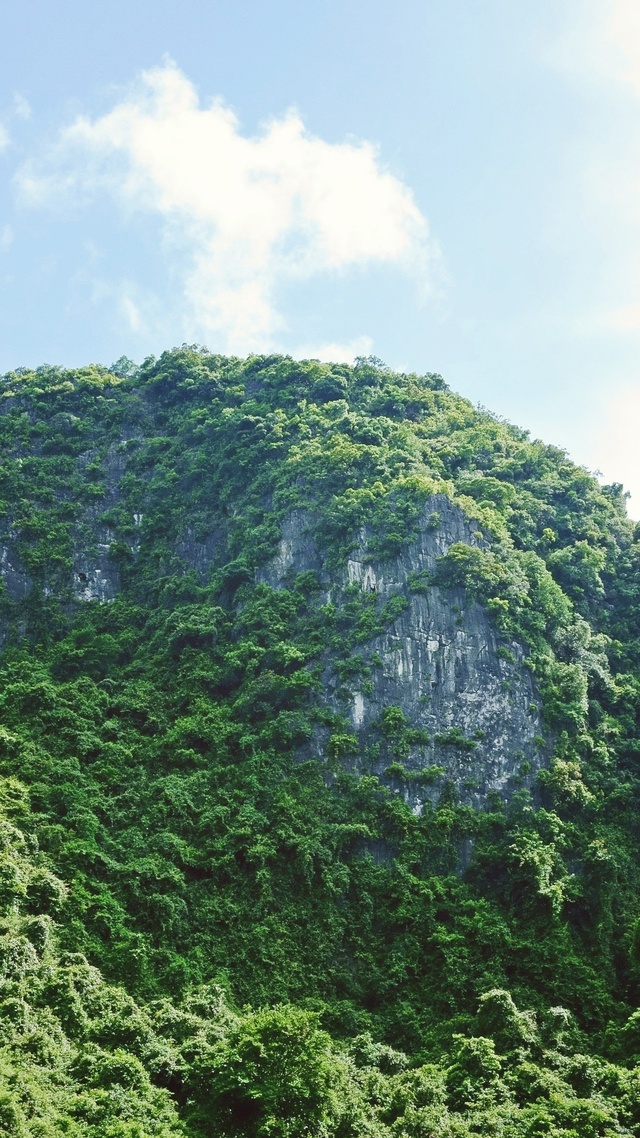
(202, 553)
(14, 576)
(96, 575)
(468, 701)
(469, 709)
(298, 553)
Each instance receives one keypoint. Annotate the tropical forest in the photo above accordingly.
(319, 761)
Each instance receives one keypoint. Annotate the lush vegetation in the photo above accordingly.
(202, 934)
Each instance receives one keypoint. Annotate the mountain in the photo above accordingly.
(319, 695)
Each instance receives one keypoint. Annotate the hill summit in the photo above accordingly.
(319, 696)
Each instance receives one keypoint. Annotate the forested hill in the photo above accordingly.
(319, 783)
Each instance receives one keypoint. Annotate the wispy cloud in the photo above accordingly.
(598, 53)
(617, 445)
(21, 106)
(131, 313)
(622, 28)
(4, 138)
(335, 351)
(626, 319)
(599, 42)
(251, 213)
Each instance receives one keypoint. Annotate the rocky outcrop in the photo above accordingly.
(445, 697)
(15, 579)
(98, 548)
(437, 695)
(96, 573)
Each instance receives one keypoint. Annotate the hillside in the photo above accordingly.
(319, 695)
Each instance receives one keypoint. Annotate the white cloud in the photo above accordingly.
(626, 319)
(623, 33)
(4, 138)
(132, 313)
(596, 207)
(21, 106)
(599, 42)
(335, 352)
(616, 449)
(6, 238)
(251, 212)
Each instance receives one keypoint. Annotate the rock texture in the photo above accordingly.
(468, 702)
(14, 577)
(96, 574)
(466, 708)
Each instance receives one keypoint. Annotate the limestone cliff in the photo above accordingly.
(469, 701)
(470, 711)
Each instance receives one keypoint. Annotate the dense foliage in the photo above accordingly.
(203, 934)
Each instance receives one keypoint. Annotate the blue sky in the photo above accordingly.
(448, 185)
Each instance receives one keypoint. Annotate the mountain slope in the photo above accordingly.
(324, 687)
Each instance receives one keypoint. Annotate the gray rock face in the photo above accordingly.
(15, 579)
(298, 553)
(468, 703)
(96, 576)
(202, 553)
(437, 695)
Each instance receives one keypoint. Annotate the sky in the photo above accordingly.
(450, 186)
